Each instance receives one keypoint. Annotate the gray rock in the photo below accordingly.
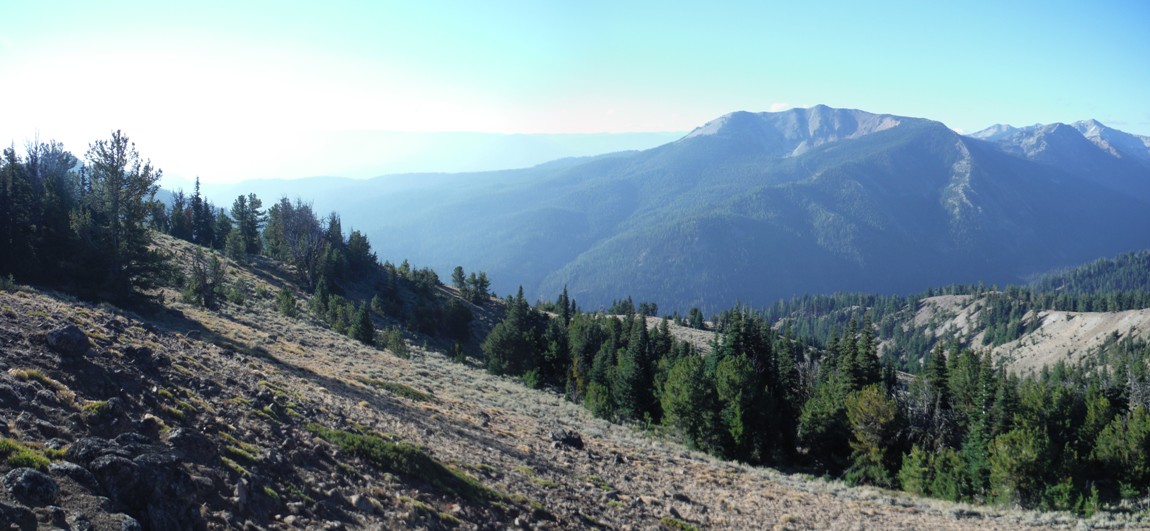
(87, 449)
(119, 478)
(129, 524)
(17, 516)
(568, 438)
(191, 445)
(68, 341)
(75, 472)
(31, 486)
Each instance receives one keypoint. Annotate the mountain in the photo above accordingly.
(754, 207)
(1112, 158)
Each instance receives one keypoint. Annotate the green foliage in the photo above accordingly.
(687, 401)
(1122, 448)
(399, 389)
(1018, 462)
(670, 522)
(205, 279)
(513, 344)
(872, 416)
(286, 303)
(824, 428)
(915, 474)
(395, 343)
(17, 454)
(85, 230)
(362, 329)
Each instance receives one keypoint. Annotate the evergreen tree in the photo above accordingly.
(180, 221)
(872, 416)
(687, 402)
(459, 281)
(249, 219)
(362, 329)
(112, 219)
(634, 379)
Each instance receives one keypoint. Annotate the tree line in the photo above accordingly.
(963, 428)
(85, 226)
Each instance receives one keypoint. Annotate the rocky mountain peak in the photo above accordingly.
(795, 131)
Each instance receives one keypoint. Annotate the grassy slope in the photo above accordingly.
(490, 434)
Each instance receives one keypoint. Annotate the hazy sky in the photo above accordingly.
(209, 85)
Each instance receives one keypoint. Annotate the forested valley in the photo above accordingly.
(829, 384)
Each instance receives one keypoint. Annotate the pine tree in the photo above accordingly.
(362, 329)
(112, 219)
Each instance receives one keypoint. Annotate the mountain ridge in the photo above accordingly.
(819, 199)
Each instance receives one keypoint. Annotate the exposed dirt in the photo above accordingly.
(1069, 336)
(1060, 336)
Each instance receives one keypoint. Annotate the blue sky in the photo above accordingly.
(232, 80)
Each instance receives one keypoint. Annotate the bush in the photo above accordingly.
(285, 303)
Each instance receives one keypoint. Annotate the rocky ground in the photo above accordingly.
(180, 418)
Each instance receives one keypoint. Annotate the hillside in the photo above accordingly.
(177, 417)
(1053, 336)
(757, 207)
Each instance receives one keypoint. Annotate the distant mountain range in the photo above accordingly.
(754, 207)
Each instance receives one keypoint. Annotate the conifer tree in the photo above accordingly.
(111, 222)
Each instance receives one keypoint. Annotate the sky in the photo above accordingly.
(230, 90)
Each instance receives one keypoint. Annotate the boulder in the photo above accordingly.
(119, 479)
(75, 472)
(68, 341)
(87, 449)
(31, 486)
(16, 516)
(568, 438)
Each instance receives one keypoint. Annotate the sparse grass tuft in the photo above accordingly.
(675, 524)
(599, 482)
(406, 460)
(399, 389)
(62, 391)
(236, 467)
(97, 408)
(17, 455)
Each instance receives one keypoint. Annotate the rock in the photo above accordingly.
(86, 450)
(79, 522)
(28, 423)
(568, 438)
(191, 445)
(9, 398)
(74, 472)
(16, 516)
(68, 341)
(127, 523)
(53, 515)
(242, 495)
(45, 398)
(361, 503)
(31, 486)
(679, 496)
(118, 478)
(959, 514)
